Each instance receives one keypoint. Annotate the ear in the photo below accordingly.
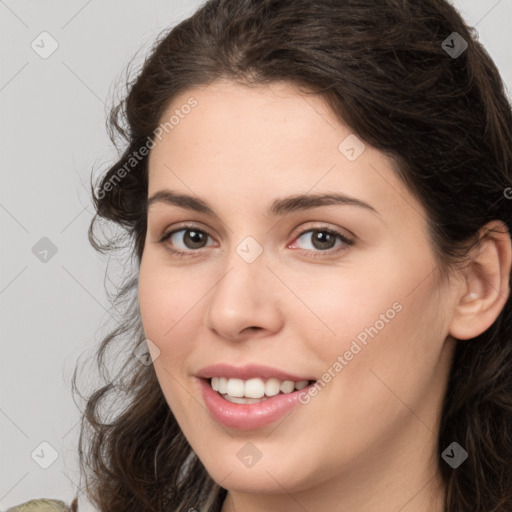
(485, 283)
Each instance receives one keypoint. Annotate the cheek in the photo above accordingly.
(385, 320)
(168, 308)
(384, 365)
(337, 306)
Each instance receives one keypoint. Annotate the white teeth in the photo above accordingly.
(223, 385)
(287, 386)
(301, 384)
(272, 387)
(237, 400)
(253, 390)
(235, 387)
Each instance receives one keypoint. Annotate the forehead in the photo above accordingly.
(261, 120)
(270, 140)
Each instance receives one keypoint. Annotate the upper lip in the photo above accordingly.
(249, 371)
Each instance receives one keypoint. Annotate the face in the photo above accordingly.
(340, 296)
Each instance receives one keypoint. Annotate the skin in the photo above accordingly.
(367, 440)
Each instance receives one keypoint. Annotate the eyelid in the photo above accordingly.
(322, 226)
(347, 241)
(186, 225)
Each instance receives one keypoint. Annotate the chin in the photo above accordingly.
(269, 475)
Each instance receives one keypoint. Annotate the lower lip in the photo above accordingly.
(248, 416)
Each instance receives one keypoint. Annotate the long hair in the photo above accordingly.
(438, 110)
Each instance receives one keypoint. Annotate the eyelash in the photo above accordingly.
(345, 241)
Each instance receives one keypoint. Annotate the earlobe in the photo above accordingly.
(485, 284)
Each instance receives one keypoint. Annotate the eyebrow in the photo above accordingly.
(280, 206)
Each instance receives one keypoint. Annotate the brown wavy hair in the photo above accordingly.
(446, 122)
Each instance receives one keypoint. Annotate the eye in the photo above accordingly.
(323, 239)
(185, 240)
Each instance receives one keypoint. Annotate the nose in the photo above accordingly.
(244, 302)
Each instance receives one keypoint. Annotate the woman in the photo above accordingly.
(316, 198)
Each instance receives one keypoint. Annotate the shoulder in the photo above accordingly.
(41, 505)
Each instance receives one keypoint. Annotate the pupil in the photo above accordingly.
(323, 240)
(194, 238)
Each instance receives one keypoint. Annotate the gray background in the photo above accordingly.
(53, 137)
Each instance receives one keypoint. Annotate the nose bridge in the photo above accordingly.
(243, 296)
(245, 272)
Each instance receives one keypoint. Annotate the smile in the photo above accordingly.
(249, 397)
(255, 390)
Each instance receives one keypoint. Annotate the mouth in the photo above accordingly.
(255, 390)
(250, 397)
